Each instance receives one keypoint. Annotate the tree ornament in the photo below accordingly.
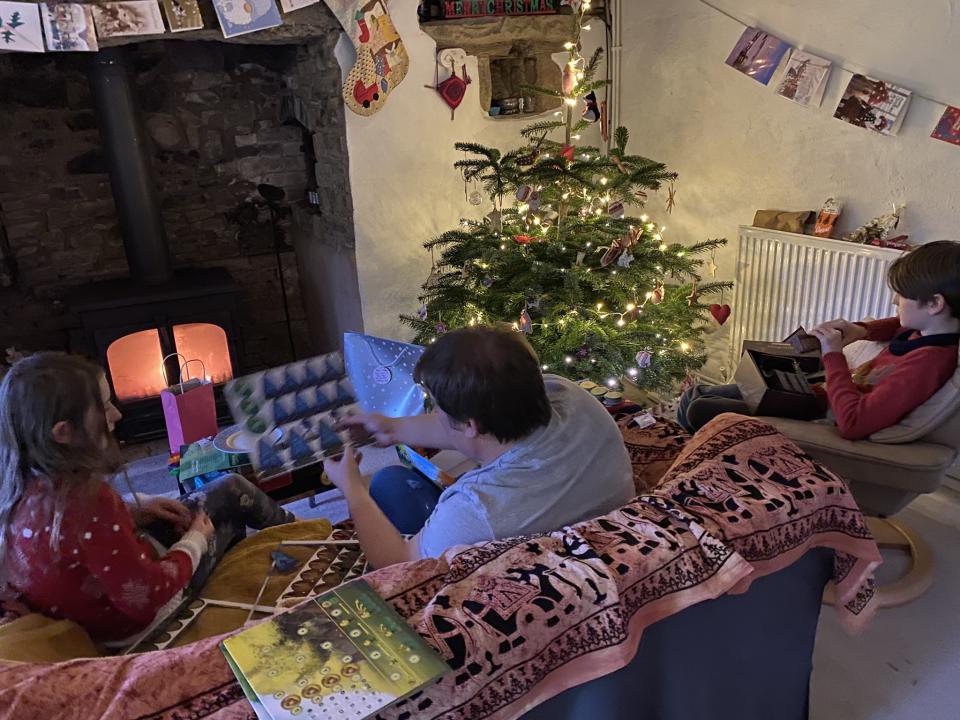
(615, 209)
(433, 279)
(619, 246)
(720, 312)
(496, 220)
(567, 152)
(658, 291)
(569, 81)
(640, 195)
(530, 158)
(643, 359)
(523, 239)
(422, 312)
(712, 267)
(534, 201)
(440, 327)
(616, 160)
(625, 260)
(694, 294)
(476, 197)
(591, 112)
(580, 257)
(583, 352)
(524, 192)
(525, 323)
(453, 89)
(671, 197)
(487, 281)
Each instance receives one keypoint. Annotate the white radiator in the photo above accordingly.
(784, 280)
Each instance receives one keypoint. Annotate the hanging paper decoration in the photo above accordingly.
(525, 323)
(757, 54)
(874, 105)
(381, 58)
(591, 111)
(185, 14)
(948, 129)
(567, 152)
(68, 27)
(805, 78)
(20, 27)
(241, 18)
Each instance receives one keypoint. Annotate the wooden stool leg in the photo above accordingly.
(893, 535)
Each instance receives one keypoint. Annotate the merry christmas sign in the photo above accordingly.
(485, 8)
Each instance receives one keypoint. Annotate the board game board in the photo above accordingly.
(293, 413)
(345, 654)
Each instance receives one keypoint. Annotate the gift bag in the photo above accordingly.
(382, 374)
(189, 409)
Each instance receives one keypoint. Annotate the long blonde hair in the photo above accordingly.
(37, 393)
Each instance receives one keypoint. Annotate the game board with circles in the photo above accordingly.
(337, 560)
(345, 654)
(292, 413)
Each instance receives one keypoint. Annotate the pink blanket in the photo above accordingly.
(521, 620)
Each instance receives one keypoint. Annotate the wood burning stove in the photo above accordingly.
(129, 325)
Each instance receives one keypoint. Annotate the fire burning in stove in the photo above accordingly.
(137, 367)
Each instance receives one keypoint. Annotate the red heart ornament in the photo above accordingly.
(720, 312)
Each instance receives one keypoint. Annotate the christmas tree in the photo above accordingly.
(600, 293)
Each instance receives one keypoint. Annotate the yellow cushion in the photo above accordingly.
(37, 639)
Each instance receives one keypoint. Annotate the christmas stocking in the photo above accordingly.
(382, 59)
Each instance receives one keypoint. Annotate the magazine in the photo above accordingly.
(345, 654)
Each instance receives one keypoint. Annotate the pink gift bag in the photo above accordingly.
(189, 409)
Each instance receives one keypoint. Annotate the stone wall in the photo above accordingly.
(215, 115)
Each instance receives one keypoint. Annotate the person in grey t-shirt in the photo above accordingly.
(550, 455)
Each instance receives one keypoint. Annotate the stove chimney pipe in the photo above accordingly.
(131, 177)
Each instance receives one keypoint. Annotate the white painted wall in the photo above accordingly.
(405, 188)
(739, 147)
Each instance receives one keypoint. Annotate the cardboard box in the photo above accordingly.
(775, 380)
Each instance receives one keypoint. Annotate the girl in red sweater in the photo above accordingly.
(69, 545)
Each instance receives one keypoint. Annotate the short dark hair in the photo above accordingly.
(929, 270)
(488, 375)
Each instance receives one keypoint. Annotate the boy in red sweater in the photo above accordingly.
(921, 355)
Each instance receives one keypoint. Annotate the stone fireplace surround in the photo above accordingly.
(220, 119)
